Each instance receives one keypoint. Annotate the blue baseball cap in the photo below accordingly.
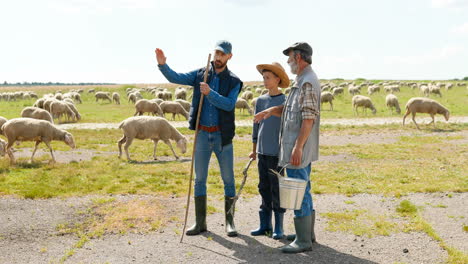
(224, 46)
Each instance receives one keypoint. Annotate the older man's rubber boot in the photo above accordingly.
(302, 242)
(265, 223)
(230, 227)
(312, 234)
(279, 233)
(200, 217)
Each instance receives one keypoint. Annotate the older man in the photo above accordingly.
(216, 129)
(299, 138)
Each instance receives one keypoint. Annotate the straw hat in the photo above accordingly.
(277, 69)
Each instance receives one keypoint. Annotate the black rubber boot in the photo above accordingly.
(312, 235)
(302, 242)
(200, 217)
(279, 233)
(230, 227)
(265, 223)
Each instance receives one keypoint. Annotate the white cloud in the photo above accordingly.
(457, 4)
(461, 29)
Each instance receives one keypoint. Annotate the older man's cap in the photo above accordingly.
(224, 46)
(302, 46)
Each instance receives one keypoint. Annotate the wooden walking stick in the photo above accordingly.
(205, 78)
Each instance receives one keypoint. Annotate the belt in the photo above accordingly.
(209, 129)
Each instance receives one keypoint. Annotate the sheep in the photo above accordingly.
(37, 113)
(392, 101)
(373, 89)
(327, 97)
(354, 90)
(243, 104)
(91, 91)
(134, 97)
(48, 102)
(167, 96)
(258, 90)
(159, 101)
(247, 95)
(76, 97)
(58, 108)
(174, 108)
(337, 90)
(363, 101)
(75, 111)
(425, 105)
(424, 89)
(2, 121)
(103, 96)
(181, 93)
(59, 96)
(253, 103)
(149, 127)
(147, 106)
(28, 129)
(184, 104)
(435, 90)
(116, 97)
(2, 147)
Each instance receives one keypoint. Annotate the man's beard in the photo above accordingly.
(293, 66)
(219, 65)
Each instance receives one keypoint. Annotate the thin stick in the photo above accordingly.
(205, 78)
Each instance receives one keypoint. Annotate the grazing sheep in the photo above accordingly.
(247, 95)
(37, 113)
(75, 111)
(158, 101)
(91, 91)
(181, 93)
(373, 89)
(337, 90)
(243, 104)
(116, 97)
(48, 102)
(76, 97)
(354, 90)
(58, 108)
(363, 101)
(258, 90)
(392, 101)
(132, 98)
(149, 127)
(174, 108)
(184, 104)
(425, 105)
(147, 106)
(28, 129)
(167, 96)
(2, 121)
(327, 97)
(435, 90)
(103, 96)
(59, 96)
(424, 89)
(253, 103)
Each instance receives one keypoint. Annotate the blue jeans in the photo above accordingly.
(207, 143)
(307, 206)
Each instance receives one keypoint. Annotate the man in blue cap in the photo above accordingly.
(299, 138)
(216, 128)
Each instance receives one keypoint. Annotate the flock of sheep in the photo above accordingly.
(37, 122)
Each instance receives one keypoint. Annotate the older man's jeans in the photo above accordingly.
(207, 143)
(307, 205)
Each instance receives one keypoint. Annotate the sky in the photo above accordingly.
(114, 40)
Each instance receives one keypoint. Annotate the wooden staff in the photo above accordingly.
(205, 78)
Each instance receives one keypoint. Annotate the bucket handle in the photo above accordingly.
(278, 174)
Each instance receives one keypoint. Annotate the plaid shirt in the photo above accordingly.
(309, 102)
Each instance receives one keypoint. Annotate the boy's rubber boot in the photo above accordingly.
(278, 233)
(200, 217)
(312, 235)
(265, 223)
(302, 242)
(230, 227)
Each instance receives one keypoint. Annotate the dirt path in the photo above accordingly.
(345, 122)
(28, 234)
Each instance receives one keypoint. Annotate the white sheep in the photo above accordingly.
(184, 103)
(253, 103)
(425, 105)
(435, 90)
(174, 108)
(181, 93)
(103, 96)
(354, 90)
(28, 129)
(327, 97)
(2, 121)
(75, 111)
(147, 106)
(392, 102)
(2, 147)
(158, 100)
(337, 90)
(364, 102)
(243, 104)
(258, 90)
(58, 109)
(373, 89)
(424, 89)
(247, 95)
(37, 113)
(149, 127)
(116, 97)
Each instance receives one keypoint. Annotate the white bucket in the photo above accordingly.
(291, 192)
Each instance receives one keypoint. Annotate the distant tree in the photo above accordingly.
(466, 78)
(360, 79)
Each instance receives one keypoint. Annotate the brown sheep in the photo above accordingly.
(425, 105)
(173, 108)
(147, 106)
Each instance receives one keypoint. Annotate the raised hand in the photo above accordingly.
(160, 56)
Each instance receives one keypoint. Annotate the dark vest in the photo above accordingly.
(227, 82)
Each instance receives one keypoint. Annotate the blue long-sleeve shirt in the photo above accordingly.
(209, 113)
